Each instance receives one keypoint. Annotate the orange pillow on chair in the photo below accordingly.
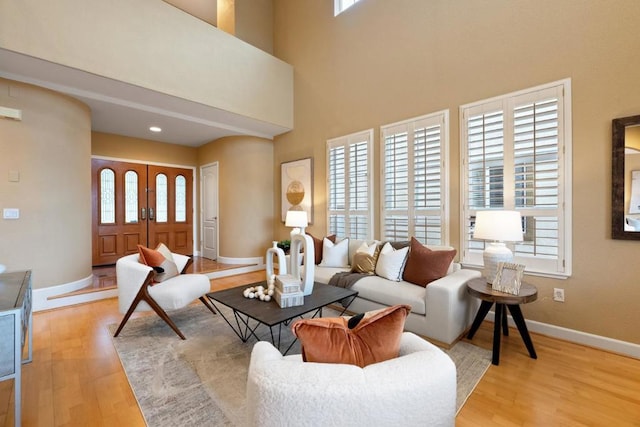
(160, 260)
(361, 340)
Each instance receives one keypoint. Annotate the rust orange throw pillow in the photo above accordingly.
(424, 265)
(317, 247)
(165, 268)
(375, 338)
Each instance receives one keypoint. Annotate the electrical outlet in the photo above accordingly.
(558, 294)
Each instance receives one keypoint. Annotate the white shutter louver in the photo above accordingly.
(414, 201)
(348, 185)
(513, 157)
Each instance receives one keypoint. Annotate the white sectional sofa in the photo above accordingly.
(440, 312)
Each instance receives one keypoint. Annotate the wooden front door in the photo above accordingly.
(139, 204)
(170, 199)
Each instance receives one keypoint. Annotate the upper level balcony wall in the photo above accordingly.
(153, 45)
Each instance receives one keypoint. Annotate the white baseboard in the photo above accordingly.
(234, 271)
(44, 298)
(609, 344)
(229, 260)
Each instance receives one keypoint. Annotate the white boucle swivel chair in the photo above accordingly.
(137, 293)
(418, 388)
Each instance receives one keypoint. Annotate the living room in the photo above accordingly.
(377, 63)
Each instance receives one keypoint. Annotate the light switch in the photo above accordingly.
(11, 213)
(14, 176)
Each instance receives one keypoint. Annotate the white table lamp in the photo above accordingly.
(498, 227)
(298, 220)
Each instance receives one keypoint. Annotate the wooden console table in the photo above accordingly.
(15, 329)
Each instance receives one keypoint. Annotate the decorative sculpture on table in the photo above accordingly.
(282, 261)
(301, 242)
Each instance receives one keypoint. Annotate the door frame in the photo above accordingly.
(201, 206)
(170, 165)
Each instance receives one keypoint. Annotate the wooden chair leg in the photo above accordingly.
(143, 295)
(163, 315)
(134, 303)
(208, 305)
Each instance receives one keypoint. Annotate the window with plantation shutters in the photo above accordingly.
(414, 179)
(516, 156)
(349, 186)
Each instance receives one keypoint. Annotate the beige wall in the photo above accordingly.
(151, 44)
(227, 16)
(50, 150)
(254, 23)
(246, 193)
(248, 20)
(383, 61)
(207, 10)
(143, 150)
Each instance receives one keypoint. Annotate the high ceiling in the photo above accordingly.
(123, 109)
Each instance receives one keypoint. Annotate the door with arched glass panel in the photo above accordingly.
(119, 209)
(140, 204)
(170, 208)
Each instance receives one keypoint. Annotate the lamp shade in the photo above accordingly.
(296, 219)
(501, 226)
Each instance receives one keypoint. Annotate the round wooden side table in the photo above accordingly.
(479, 288)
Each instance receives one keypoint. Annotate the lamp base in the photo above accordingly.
(493, 254)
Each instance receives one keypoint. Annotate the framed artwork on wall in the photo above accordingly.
(297, 186)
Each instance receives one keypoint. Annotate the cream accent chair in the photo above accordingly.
(135, 292)
(418, 388)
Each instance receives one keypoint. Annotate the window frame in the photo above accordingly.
(440, 118)
(339, 6)
(347, 141)
(561, 267)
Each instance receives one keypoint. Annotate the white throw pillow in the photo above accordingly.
(391, 262)
(367, 249)
(335, 254)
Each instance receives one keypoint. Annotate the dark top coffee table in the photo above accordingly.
(270, 314)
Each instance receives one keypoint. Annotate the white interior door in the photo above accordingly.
(209, 184)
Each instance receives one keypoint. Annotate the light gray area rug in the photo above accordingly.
(201, 381)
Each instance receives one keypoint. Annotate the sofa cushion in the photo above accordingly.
(386, 292)
(374, 338)
(161, 260)
(324, 274)
(391, 262)
(424, 265)
(317, 246)
(335, 254)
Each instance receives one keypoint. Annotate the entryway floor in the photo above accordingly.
(104, 277)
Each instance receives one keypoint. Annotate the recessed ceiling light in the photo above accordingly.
(155, 129)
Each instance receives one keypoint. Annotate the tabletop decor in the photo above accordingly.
(508, 278)
(497, 227)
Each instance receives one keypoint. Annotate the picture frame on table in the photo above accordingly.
(297, 186)
(508, 278)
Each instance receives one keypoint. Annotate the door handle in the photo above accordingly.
(151, 214)
(143, 213)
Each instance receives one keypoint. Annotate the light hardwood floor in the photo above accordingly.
(76, 378)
